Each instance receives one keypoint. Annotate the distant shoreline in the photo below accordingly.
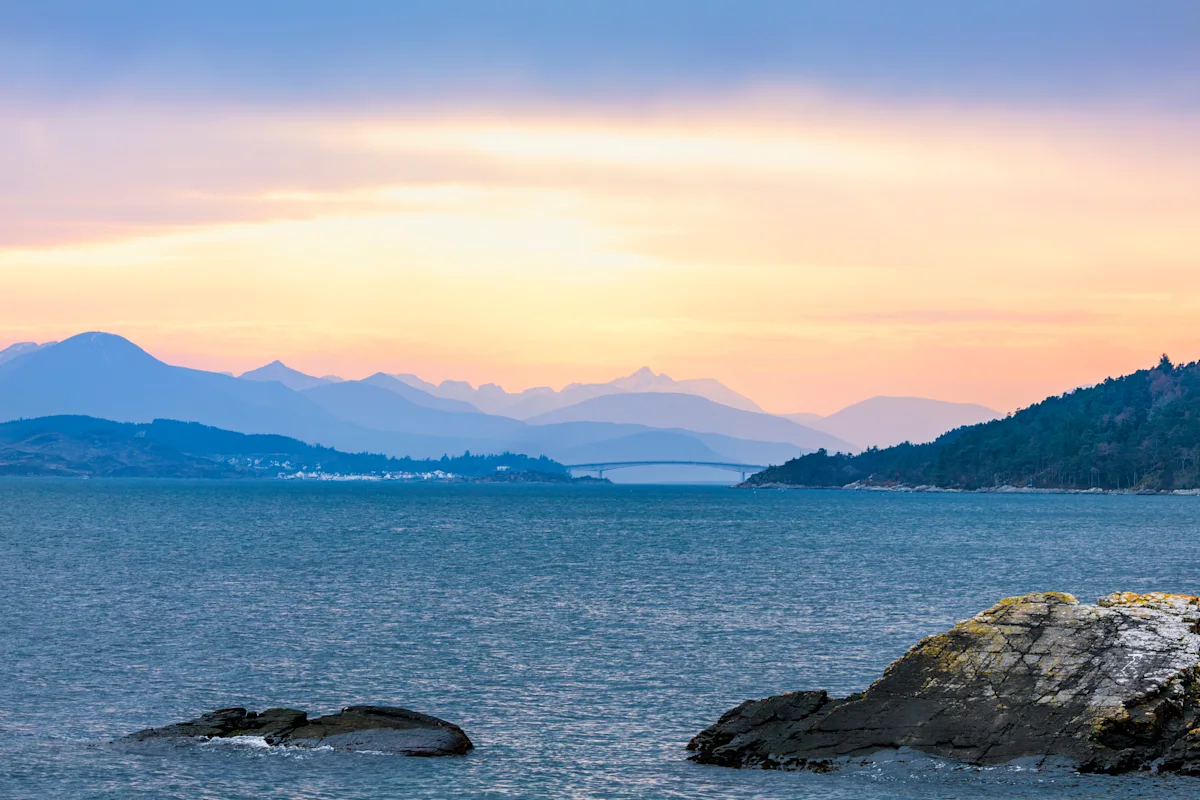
(253, 478)
(987, 490)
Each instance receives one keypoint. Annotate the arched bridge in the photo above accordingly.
(606, 466)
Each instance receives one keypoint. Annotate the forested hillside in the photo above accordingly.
(1141, 431)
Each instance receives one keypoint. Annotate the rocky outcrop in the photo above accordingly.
(376, 728)
(1112, 687)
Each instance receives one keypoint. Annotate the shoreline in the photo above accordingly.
(861, 487)
(308, 478)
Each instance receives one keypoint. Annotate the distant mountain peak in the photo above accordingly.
(645, 379)
(103, 347)
(416, 394)
(883, 421)
(415, 382)
(282, 373)
(21, 348)
(100, 339)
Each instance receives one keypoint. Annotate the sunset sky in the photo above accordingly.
(811, 202)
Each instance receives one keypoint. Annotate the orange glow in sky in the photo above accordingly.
(808, 253)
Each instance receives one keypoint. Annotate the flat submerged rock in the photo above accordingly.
(1112, 687)
(363, 728)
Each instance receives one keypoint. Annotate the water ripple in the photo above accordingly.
(581, 637)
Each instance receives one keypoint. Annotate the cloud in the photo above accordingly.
(805, 248)
(748, 182)
(812, 201)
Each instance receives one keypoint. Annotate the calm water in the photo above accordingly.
(579, 635)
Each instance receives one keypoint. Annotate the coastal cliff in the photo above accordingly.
(1111, 687)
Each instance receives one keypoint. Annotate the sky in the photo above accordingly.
(812, 202)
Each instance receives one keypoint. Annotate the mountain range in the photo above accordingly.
(876, 422)
(530, 403)
(106, 376)
(630, 419)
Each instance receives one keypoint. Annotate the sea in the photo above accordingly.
(579, 634)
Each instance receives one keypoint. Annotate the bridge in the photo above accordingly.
(606, 466)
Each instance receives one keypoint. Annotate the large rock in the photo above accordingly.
(1111, 687)
(376, 728)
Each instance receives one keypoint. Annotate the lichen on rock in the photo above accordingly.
(1112, 687)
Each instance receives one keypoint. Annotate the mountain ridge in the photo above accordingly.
(418, 396)
(885, 420)
(19, 349)
(879, 421)
(493, 399)
(282, 373)
(107, 376)
(690, 412)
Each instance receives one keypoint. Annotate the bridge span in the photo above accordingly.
(606, 466)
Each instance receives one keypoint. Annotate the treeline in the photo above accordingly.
(1138, 432)
(202, 441)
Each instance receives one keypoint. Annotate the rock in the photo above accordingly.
(1112, 687)
(391, 730)
(376, 728)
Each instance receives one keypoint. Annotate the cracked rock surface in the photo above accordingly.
(375, 728)
(1112, 687)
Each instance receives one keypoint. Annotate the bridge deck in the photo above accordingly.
(611, 465)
